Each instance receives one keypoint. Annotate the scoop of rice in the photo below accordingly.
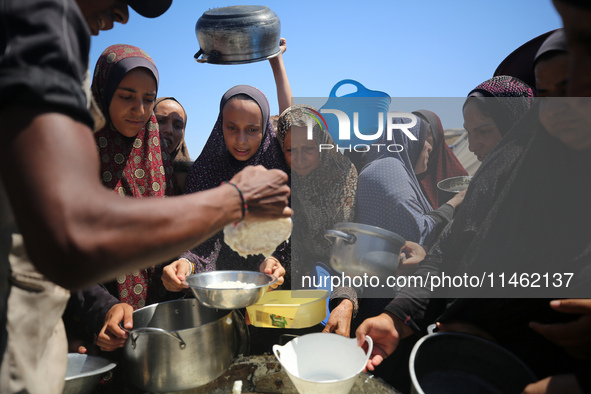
(252, 238)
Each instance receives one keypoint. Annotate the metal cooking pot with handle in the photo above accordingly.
(359, 249)
(238, 34)
(178, 345)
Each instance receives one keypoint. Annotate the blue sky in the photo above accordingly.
(419, 48)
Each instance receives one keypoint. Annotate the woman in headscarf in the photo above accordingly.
(525, 212)
(551, 66)
(133, 163)
(323, 184)
(389, 194)
(172, 122)
(491, 109)
(442, 163)
(242, 136)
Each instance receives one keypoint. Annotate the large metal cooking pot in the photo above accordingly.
(178, 345)
(238, 34)
(460, 363)
(359, 249)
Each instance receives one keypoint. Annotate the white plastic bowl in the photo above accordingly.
(323, 362)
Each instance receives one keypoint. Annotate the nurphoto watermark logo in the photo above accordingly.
(362, 140)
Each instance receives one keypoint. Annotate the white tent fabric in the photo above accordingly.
(459, 147)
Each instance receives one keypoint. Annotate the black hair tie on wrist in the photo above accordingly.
(244, 204)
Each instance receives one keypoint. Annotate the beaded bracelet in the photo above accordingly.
(244, 204)
(190, 265)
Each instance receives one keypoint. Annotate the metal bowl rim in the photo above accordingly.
(458, 335)
(273, 279)
(462, 178)
(224, 312)
(245, 61)
(94, 372)
(369, 230)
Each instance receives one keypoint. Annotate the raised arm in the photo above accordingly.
(77, 232)
(284, 95)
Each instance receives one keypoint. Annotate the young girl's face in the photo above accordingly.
(133, 101)
(242, 127)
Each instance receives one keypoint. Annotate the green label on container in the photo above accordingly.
(278, 321)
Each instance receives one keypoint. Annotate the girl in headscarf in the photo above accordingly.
(442, 163)
(242, 136)
(491, 109)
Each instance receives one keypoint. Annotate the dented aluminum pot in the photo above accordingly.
(238, 34)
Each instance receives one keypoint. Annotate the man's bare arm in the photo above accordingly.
(78, 232)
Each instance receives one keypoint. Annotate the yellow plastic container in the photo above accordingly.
(289, 309)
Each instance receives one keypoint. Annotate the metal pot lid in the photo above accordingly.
(214, 60)
(235, 11)
(370, 230)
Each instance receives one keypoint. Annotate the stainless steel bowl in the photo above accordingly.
(238, 34)
(233, 298)
(449, 187)
(84, 372)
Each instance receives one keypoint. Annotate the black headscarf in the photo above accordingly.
(556, 42)
(506, 98)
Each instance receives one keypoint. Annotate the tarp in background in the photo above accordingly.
(457, 139)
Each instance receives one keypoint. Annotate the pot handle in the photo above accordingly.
(431, 328)
(140, 330)
(348, 238)
(241, 334)
(199, 53)
(206, 58)
(277, 351)
(369, 347)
